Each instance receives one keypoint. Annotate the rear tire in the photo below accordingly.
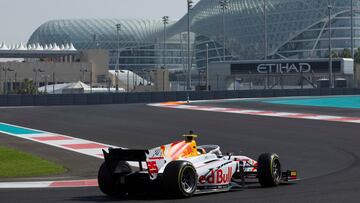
(269, 170)
(180, 179)
(109, 183)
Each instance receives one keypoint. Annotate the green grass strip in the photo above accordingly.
(14, 164)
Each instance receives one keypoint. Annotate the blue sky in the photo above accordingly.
(19, 18)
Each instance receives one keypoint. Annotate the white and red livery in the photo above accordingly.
(183, 169)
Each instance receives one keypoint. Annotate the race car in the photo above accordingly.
(182, 169)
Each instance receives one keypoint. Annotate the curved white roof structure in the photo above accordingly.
(61, 88)
(21, 47)
(38, 47)
(125, 75)
(3, 46)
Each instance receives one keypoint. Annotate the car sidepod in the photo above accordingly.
(216, 174)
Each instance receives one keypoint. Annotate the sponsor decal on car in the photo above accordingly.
(219, 176)
(152, 167)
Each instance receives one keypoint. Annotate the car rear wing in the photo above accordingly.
(126, 154)
(115, 155)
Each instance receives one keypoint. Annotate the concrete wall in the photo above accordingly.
(99, 60)
(59, 70)
(161, 80)
(64, 72)
(149, 97)
(357, 75)
(218, 76)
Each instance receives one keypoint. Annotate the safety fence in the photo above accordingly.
(149, 97)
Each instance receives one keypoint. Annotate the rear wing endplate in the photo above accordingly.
(119, 154)
(114, 156)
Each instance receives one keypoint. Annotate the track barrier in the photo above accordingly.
(152, 97)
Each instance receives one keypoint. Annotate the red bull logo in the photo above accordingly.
(217, 177)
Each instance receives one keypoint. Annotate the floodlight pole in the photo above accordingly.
(182, 61)
(91, 81)
(35, 71)
(53, 82)
(165, 21)
(352, 38)
(46, 82)
(118, 28)
(207, 67)
(83, 70)
(331, 80)
(6, 81)
(352, 27)
(36, 74)
(188, 81)
(265, 31)
(127, 81)
(224, 6)
(15, 86)
(1, 83)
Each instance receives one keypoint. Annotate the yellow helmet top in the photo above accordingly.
(190, 136)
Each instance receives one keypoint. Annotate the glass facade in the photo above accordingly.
(294, 28)
(141, 41)
(254, 30)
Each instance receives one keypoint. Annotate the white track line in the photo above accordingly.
(269, 113)
(49, 184)
(265, 98)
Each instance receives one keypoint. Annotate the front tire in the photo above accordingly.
(180, 179)
(269, 170)
(109, 183)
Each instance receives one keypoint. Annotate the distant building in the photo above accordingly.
(53, 66)
(141, 42)
(296, 29)
(293, 29)
(242, 30)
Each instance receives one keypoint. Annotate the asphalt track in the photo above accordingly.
(326, 154)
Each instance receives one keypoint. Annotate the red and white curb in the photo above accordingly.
(184, 105)
(74, 144)
(49, 184)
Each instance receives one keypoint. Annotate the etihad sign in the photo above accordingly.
(284, 68)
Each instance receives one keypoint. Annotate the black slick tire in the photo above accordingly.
(180, 179)
(109, 183)
(269, 170)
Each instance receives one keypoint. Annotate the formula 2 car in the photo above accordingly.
(183, 169)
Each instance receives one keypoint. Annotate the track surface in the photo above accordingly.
(258, 104)
(326, 154)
